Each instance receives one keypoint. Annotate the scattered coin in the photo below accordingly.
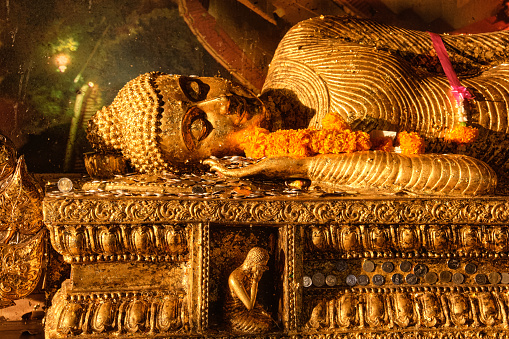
(318, 279)
(351, 280)
(64, 185)
(470, 268)
(420, 270)
(378, 279)
(341, 265)
(368, 266)
(431, 277)
(458, 278)
(405, 266)
(331, 280)
(494, 278)
(307, 281)
(481, 279)
(388, 267)
(363, 279)
(453, 264)
(397, 279)
(445, 276)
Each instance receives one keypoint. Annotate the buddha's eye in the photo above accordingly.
(195, 127)
(194, 88)
(199, 129)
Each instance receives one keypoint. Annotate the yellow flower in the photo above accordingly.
(462, 134)
(334, 121)
(410, 143)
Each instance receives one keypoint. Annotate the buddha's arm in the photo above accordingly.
(236, 286)
(421, 174)
(278, 167)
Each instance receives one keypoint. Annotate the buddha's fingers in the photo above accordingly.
(277, 167)
(442, 174)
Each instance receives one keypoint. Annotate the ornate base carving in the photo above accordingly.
(339, 267)
(121, 314)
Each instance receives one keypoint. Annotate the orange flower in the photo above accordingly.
(410, 143)
(334, 121)
(462, 134)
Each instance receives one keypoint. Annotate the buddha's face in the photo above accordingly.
(202, 116)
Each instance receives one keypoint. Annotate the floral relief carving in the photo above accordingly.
(493, 211)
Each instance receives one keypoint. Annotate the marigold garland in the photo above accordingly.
(462, 134)
(334, 121)
(410, 143)
(335, 137)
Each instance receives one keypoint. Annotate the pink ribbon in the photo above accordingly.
(460, 92)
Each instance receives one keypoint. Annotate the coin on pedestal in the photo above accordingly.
(64, 185)
(351, 280)
(494, 278)
(470, 268)
(318, 279)
(405, 266)
(378, 279)
(363, 279)
(458, 278)
(331, 280)
(411, 279)
(445, 276)
(307, 281)
(388, 267)
(368, 266)
(397, 279)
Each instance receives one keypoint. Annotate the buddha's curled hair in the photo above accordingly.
(130, 125)
(256, 255)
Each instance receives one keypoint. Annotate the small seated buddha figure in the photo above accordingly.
(242, 312)
(373, 76)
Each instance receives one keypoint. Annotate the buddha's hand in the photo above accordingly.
(277, 167)
(257, 274)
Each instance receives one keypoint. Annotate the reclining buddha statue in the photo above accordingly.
(374, 76)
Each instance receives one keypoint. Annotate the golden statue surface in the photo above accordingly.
(373, 76)
(363, 244)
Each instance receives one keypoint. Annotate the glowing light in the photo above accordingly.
(90, 84)
(62, 60)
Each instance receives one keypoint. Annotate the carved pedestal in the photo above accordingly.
(339, 267)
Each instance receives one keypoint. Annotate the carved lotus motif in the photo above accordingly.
(102, 317)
